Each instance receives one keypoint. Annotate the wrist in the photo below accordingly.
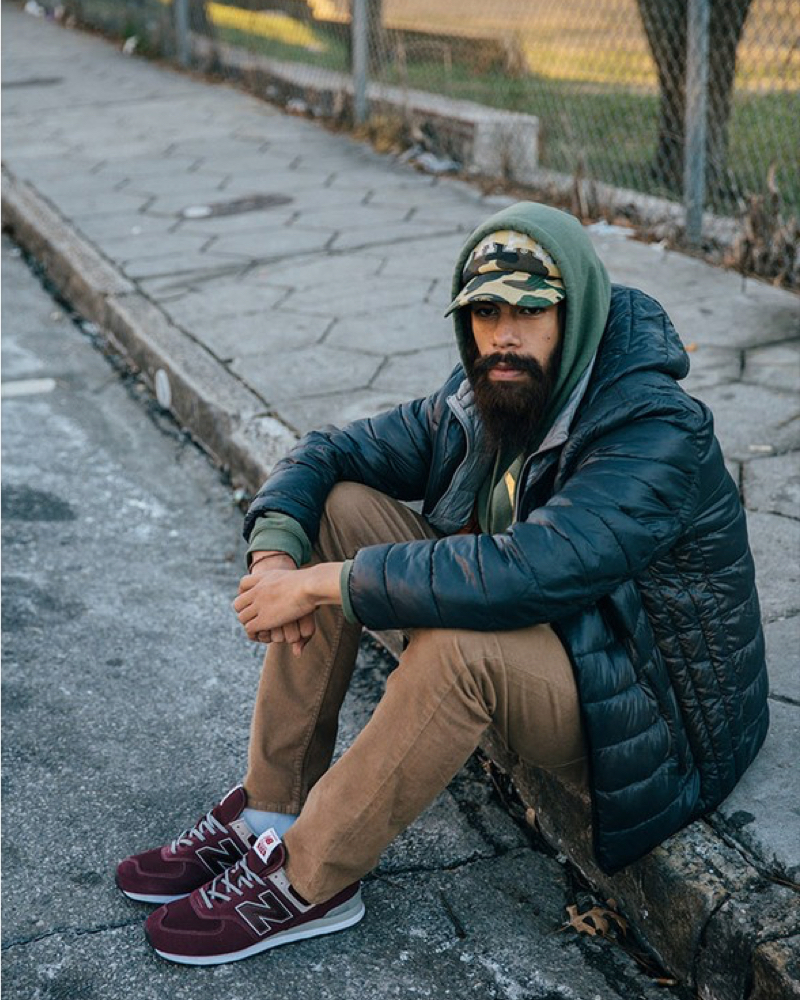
(322, 583)
(271, 560)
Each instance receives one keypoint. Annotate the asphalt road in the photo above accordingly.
(126, 696)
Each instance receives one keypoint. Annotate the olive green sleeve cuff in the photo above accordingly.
(276, 532)
(344, 587)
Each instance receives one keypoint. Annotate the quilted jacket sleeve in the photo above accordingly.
(390, 452)
(629, 496)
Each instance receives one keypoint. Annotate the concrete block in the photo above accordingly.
(307, 372)
(783, 657)
(506, 146)
(750, 418)
(193, 266)
(223, 298)
(395, 235)
(419, 373)
(272, 241)
(763, 811)
(710, 366)
(775, 543)
(403, 329)
(772, 485)
(306, 413)
(777, 366)
(357, 296)
(776, 970)
(733, 936)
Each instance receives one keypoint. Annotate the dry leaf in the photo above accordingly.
(596, 920)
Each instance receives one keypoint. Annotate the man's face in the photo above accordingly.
(513, 367)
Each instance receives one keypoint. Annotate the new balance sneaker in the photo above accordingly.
(248, 909)
(216, 843)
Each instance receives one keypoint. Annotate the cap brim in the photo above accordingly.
(516, 288)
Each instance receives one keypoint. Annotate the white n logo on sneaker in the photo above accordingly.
(219, 859)
(260, 916)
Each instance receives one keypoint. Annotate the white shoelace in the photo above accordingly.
(205, 827)
(221, 887)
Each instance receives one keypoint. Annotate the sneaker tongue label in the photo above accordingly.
(266, 844)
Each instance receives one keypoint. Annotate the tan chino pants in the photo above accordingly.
(448, 687)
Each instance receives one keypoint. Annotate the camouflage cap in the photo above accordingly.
(511, 267)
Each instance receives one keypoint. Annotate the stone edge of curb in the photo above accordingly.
(226, 417)
(697, 875)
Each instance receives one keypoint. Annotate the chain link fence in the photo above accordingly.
(617, 89)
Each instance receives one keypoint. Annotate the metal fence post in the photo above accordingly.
(181, 12)
(360, 55)
(696, 125)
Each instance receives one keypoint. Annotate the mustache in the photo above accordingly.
(482, 366)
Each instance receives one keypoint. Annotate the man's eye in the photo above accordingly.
(531, 310)
(483, 311)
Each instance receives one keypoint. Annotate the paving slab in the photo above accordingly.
(750, 420)
(296, 373)
(773, 484)
(775, 543)
(778, 366)
(762, 810)
(783, 655)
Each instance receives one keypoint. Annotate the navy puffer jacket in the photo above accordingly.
(629, 539)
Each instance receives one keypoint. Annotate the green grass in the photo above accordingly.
(614, 130)
(334, 55)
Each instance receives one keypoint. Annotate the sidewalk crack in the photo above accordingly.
(76, 931)
(476, 858)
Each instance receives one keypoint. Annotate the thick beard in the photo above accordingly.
(511, 411)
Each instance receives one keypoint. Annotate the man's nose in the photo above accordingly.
(506, 334)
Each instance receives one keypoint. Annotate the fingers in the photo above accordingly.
(298, 634)
(242, 601)
(307, 625)
(248, 582)
(291, 632)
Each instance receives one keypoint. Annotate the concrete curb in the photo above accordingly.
(226, 417)
(714, 920)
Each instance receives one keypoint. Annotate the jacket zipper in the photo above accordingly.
(456, 409)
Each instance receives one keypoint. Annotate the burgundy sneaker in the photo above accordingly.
(248, 909)
(167, 873)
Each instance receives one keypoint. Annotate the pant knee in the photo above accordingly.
(457, 657)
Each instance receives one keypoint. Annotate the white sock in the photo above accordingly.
(258, 820)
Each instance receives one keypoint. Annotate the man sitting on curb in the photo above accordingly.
(579, 578)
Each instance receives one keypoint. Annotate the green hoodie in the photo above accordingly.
(588, 294)
(586, 303)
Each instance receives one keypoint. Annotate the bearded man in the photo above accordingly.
(579, 577)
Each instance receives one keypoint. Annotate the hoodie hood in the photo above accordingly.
(588, 290)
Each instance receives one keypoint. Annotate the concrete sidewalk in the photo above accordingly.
(282, 277)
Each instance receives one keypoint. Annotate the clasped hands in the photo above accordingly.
(277, 601)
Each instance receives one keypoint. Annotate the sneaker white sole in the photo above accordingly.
(142, 898)
(343, 916)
